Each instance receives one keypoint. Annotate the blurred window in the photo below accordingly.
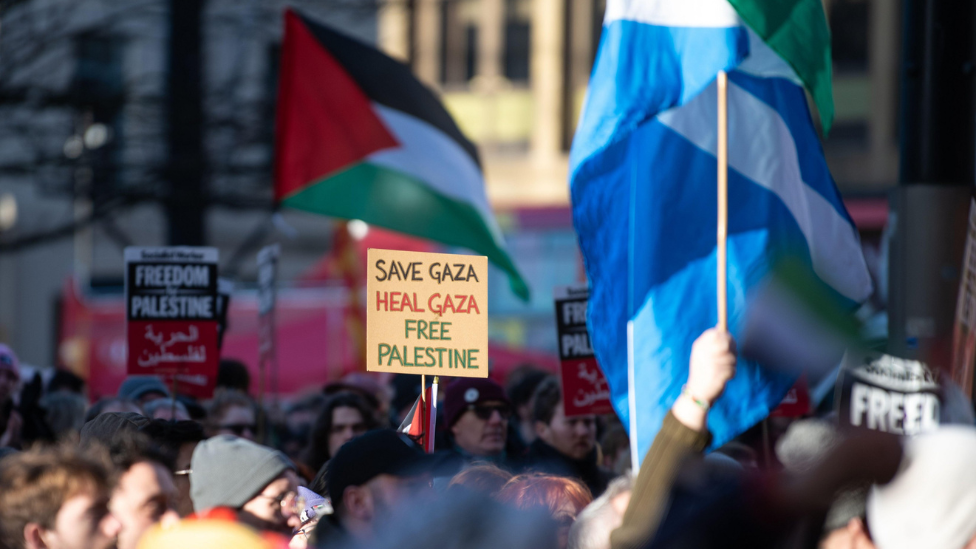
(518, 45)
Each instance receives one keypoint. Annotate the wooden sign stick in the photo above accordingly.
(723, 197)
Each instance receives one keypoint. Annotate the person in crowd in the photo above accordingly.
(66, 381)
(486, 479)
(177, 439)
(616, 449)
(675, 503)
(56, 498)
(803, 446)
(344, 417)
(563, 498)
(111, 404)
(11, 421)
(476, 413)
(296, 431)
(931, 502)
(145, 494)
(378, 395)
(316, 507)
(232, 412)
(166, 409)
(258, 483)
(111, 428)
(367, 479)
(683, 434)
(522, 383)
(142, 389)
(594, 524)
(233, 374)
(565, 445)
(64, 412)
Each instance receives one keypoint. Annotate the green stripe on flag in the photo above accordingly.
(797, 30)
(391, 199)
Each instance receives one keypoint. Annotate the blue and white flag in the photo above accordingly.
(643, 186)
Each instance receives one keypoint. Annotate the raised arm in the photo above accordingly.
(683, 433)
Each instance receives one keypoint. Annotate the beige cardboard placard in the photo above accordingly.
(426, 313)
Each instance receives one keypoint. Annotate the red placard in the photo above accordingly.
(172, 315)
(796, 403)
(585, 389)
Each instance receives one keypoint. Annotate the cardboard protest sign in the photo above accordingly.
(171, 311)
(585, 389)
(426, 313)
(885, 393)
(964, 329)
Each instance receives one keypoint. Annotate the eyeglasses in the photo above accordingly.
(239, 428)
(289, 501)
(485, 411)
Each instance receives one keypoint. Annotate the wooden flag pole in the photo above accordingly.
(723, 197)
(423, 388)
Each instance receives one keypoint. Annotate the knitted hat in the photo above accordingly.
(8, 360)
(229, 471)
(135, 387)
(931, 502)
(468, 391)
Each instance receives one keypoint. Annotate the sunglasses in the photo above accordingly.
(485, 411)
(239, 428)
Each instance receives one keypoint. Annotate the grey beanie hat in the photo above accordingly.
(228, 471)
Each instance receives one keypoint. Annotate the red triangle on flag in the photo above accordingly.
(324, 120)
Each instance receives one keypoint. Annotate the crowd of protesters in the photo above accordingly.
(145, 469)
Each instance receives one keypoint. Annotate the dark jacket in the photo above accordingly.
(673, 444)
(543, 458)
(329, 534)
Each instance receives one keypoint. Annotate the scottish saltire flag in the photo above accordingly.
(643, 187)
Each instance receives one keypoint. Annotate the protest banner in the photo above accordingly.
(964, 329)
(796, 403)
(427, 313)
(171, 312)
(585, 389)
(889, 394)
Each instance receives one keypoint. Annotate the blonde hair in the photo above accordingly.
(35, 484)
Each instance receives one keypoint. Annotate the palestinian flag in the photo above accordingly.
(420, 423)
(359, 137)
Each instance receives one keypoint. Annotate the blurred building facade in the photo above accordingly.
(84, 141)
(514, 73)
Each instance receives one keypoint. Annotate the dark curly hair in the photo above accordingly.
(317, 451)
